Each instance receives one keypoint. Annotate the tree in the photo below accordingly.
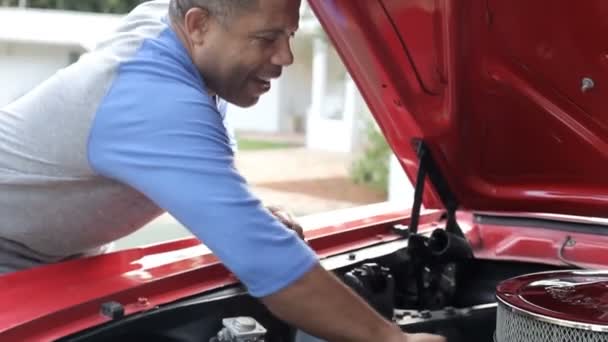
(102, 6)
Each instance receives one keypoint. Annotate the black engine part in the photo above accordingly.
(376, 285)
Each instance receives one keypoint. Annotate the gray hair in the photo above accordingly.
(221, 9)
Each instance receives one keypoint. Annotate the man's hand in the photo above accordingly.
(287, 219)
(423, 338)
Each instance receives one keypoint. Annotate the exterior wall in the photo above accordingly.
(337, 107)
(23, 66)
(400, 189)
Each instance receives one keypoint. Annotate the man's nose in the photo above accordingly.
(283, 55)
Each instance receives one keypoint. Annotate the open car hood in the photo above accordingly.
(509, 98)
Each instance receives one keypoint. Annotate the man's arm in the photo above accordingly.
(357, 321)
(322, 305)
(176, 152)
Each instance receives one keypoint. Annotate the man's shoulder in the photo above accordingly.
(133, 96)
(162, 71)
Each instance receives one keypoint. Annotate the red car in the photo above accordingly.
(497, 111)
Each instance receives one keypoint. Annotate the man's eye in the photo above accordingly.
(266, 40)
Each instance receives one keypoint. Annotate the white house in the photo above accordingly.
(34, 44)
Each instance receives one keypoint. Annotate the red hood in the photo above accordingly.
(493, 88)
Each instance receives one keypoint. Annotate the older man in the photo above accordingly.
(136, 127)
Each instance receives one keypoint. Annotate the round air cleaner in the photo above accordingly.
(562, 306)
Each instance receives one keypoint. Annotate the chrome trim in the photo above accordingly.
(551, 320)
(602, 221)
(574, 271)
(484, 306)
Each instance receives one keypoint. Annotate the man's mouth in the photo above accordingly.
(263, 80)
(263, 83)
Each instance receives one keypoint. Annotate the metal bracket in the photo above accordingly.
(112, 310)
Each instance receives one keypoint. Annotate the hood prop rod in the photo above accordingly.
(428, 167)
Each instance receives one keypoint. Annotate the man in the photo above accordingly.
(136, 128)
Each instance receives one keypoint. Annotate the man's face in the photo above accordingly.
(239, 56)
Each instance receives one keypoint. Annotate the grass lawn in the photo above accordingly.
(249, 144)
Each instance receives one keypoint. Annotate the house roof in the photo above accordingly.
(55, 27)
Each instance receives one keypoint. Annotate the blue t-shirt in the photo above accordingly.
(158, 131)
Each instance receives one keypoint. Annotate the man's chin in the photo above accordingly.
(249, 101)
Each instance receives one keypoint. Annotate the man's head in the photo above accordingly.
(237, 45)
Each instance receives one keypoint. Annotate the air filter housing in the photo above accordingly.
(563, 306)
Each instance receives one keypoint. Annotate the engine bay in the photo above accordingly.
(448, 293)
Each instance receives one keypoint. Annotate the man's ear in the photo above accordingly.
(196, 24)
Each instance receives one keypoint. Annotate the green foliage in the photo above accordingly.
(372, 167)
(102, 6)
(250, 144)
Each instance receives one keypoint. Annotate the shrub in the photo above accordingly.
(372, 166)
